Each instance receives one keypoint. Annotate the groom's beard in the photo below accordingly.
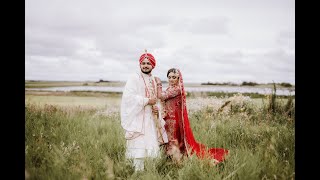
(146, 72)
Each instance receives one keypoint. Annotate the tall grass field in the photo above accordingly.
(76, 137)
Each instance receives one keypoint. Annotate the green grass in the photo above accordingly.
(94, 102)
(68, 141)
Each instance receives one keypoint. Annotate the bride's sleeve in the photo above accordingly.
(170, 93)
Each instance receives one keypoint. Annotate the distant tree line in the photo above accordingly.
(216, 83)
(244, 83)
(285, 84)
(101, 80)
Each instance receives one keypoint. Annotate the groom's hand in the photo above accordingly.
(155, 110)
(152, 101)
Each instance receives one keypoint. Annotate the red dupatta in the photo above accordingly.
(191, 145)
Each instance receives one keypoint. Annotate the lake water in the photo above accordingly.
(280, 91)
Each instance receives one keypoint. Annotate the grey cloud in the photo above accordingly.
(272, 65)
(115, 38)
(47, 44)
(239, 66)
(234, 58)
(286, 39)
(215, 25)
(279, 60)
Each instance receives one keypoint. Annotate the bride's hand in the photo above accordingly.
(158, 80)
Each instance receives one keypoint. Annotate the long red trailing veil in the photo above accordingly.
(191, 145)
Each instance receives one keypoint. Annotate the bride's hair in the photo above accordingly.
(174, 70)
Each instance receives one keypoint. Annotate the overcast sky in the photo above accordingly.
(208, 40)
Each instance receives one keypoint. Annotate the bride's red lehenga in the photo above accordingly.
(178, 126)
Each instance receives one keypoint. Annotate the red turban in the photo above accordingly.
(150, 58)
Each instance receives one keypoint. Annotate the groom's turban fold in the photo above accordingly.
(150, 58)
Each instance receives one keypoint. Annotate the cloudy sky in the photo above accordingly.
(208, 40)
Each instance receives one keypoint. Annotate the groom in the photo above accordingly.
(139, 113)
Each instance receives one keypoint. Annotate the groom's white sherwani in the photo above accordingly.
(137, 119)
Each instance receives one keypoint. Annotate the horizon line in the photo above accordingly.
(217, 82)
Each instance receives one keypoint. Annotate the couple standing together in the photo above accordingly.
(152, 117)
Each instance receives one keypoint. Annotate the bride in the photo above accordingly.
(179, 132)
